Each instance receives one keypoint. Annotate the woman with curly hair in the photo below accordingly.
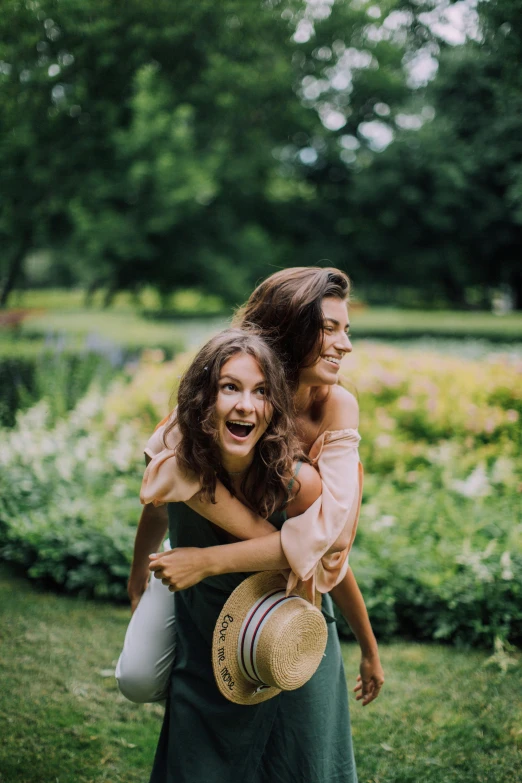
(302, 313)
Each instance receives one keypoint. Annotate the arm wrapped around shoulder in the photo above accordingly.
(164, 481)
(317, 543)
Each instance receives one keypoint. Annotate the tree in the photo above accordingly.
(440, 208)
(171, 142)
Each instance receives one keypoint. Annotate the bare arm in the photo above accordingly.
(164, 481)
(151, 531)
(184, 567)
(349, 599)
(230, 514)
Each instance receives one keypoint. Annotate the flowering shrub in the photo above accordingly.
(438, 553)
(69, 497)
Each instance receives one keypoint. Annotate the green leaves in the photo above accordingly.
(148, 145)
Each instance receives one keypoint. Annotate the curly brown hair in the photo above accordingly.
(265, 483)
(286, 310)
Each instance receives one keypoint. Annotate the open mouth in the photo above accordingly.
(239, 429)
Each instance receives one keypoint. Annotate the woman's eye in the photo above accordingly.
(261, 390)
(229, 387)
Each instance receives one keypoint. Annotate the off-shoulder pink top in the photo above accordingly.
(330, 522)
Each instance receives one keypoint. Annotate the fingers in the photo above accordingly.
(366, 694)
(157, 571)
(156, 555)
(367, 691)
(371, 696)
(156, 565)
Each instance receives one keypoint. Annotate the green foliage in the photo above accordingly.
(186, 144)
(438, 551)
(442, 204)
(204, 145)
(69, 497)
(449, 573)
(160, 110)
(61, 378)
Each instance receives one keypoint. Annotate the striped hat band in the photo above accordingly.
(251, 632)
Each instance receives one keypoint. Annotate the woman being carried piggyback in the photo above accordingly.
(302, 312)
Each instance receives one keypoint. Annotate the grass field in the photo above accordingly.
(57, 312)
(444, 716)
(384, 322)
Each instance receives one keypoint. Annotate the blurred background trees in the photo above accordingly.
(203, 145)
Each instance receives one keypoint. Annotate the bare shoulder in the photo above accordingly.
(341, 410)
(308, 488)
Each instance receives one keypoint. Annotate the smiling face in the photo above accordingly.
(242, 412)
(335, 344)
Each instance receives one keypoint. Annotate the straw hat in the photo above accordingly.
(266, 642)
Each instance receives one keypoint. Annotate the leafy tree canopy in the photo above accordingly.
(205, 144)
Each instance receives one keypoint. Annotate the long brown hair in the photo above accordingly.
(265, 484)
(286, 310)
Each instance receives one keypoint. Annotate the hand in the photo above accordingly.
(180, 568)
(370, 679)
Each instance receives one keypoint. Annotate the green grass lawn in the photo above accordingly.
(444, 717)
(63, 313)
(388, 322)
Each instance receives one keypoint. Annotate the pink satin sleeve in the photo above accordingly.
(163, 480)
(332, 520)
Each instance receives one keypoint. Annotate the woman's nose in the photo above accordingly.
(244, 402)
(343, 343)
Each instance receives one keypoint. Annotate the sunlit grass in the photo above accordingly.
(127, 329)
(392, 322)
(64, 312)
(444, 716)
(186, 301)
(60, 314)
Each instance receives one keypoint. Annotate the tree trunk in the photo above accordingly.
(91, 290)
(13, 273)
(452, 289)
(110, 293)
(516, 288)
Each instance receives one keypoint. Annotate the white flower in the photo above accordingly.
(474, 560)
(475, 486)
(387, 520)
(383, 441)
(503, 471)
(505, 562)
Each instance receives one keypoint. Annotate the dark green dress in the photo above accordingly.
(300, 736)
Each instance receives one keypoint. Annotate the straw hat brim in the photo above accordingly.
(229, 678)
